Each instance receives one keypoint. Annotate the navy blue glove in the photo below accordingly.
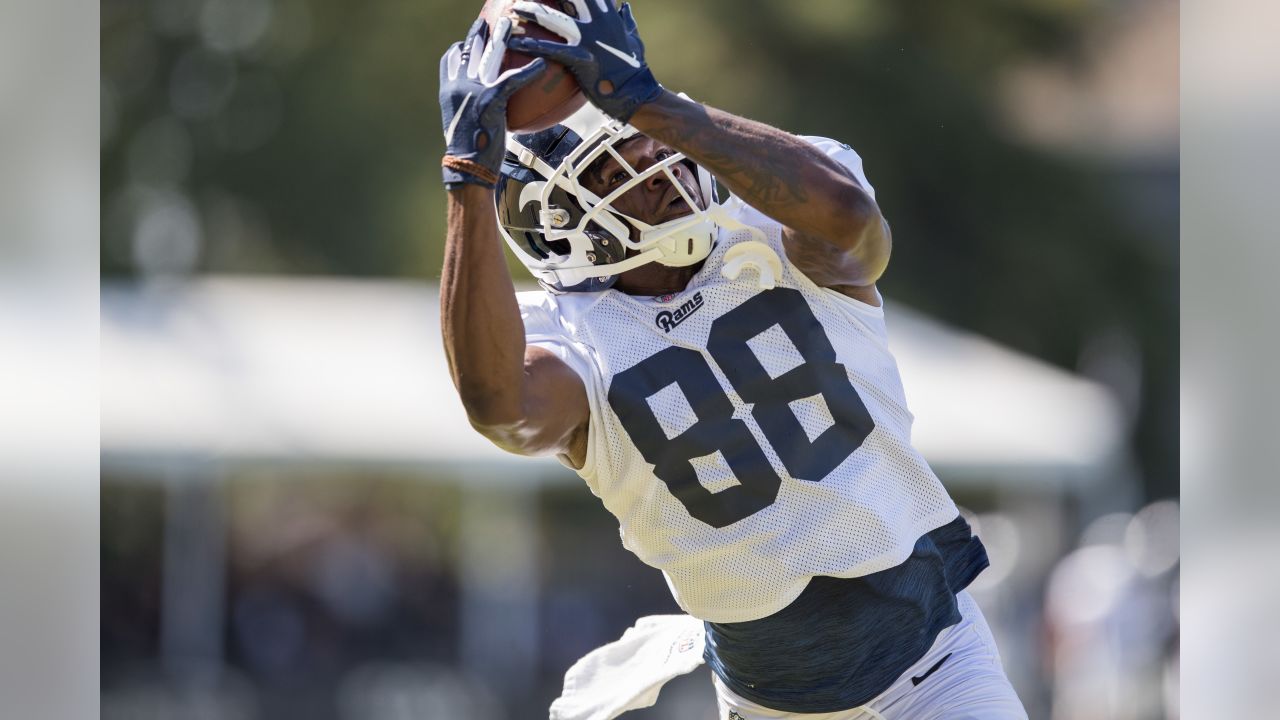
(602, 50)
(473, 103)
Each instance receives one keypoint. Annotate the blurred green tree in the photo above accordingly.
(303, 136)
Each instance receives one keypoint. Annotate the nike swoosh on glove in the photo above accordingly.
(473, 103)
(602, 50)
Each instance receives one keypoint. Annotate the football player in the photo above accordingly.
(716, 370)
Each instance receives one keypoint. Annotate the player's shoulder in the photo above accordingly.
(546, 313)
(539, 311)
(535, 301)
(842, 153)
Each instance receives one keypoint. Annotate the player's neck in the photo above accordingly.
(654, 280)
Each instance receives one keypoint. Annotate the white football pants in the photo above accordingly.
(970, 685)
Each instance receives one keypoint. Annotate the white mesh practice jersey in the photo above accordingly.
(746, 439)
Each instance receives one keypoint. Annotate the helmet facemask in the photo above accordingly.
(586, 241)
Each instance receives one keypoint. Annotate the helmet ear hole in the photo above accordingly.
(560, 247)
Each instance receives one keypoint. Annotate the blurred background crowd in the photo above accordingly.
(296, 521)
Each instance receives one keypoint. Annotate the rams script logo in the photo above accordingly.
(668, 319)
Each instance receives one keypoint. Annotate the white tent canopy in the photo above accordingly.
(269, 369)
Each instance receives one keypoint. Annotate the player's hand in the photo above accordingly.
(473, 103)
(602, 49)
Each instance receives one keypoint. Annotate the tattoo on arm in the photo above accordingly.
(767, 177)
(835, 228)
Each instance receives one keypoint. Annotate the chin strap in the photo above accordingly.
(569, 277)
(754, 253)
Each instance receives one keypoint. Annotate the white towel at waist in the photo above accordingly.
(628, 673)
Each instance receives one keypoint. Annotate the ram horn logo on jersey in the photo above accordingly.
(668, 319)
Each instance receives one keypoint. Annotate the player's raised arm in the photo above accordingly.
(522, 398)
(836, 233)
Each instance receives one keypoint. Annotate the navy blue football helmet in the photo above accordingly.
(573, 240)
